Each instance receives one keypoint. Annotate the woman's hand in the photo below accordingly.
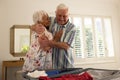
(38, 28)
(43, 37)
(43, 41)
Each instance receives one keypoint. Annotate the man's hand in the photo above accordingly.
(47, 48)
(58, 36)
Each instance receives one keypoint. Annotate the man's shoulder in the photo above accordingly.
(52, 22)
(70, 24)
(52, 18)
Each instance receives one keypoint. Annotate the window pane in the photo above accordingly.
(88, 37)
(100, 49)
(78, 46)
(108, 35)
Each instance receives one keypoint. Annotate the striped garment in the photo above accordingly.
(63, 58)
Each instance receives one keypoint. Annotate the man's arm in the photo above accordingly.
(44, 43)
(61, 45)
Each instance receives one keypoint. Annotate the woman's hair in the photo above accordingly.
(41, 17)
(37, 16)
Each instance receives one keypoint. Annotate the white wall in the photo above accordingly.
(119, 29)
(20, 12)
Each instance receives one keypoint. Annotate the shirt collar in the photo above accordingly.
(62, 25)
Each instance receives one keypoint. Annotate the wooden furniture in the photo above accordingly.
(6, 64)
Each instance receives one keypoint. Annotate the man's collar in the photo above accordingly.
(55, 21)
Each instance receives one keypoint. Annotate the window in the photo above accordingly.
(93, 38)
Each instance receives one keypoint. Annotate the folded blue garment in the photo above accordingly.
(52, 72)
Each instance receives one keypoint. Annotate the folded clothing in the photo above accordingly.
(52, 72)
(61, 72)
(82, 76)
(36, 74)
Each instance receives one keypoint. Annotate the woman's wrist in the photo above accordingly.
(50, 43)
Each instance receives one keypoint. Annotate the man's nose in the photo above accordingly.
(61, 18)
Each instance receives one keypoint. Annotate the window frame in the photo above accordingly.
(94, 59)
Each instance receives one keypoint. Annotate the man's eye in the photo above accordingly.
(59, 16)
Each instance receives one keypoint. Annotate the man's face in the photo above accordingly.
(62, 16)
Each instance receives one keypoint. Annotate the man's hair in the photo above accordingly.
(62, 6)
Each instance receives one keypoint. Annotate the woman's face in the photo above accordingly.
(62, 16)
(45, 20)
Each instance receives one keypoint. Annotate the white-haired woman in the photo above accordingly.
(37, 57)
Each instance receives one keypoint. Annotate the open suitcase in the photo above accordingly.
(97, 74)
(53, 73)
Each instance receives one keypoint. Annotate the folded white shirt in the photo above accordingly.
(36, 74)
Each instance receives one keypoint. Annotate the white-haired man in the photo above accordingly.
(62, 49)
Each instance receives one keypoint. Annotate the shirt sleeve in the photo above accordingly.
(70, 37)
(49, 35)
